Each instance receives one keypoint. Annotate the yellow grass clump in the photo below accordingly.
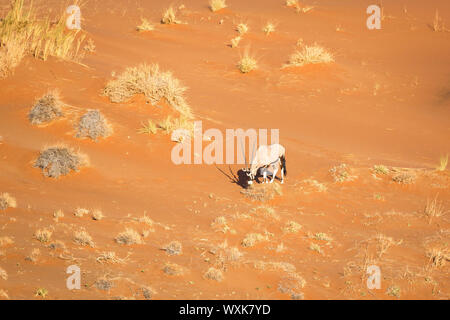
(434, 209)
(214, 274)
(443, 162)
(242, 28)
(21, 32)
(83, 238)
(128, 237)
(216, 5)
(145, 26)
(169, 16)
(150, 81)
(247, 63)
(235, 41)
(310, 55)
(269, 28)
(7, 201)
(43, 235)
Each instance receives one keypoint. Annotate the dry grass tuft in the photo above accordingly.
(438, 256)
(11, 54)
(292, 284)
(384, 243)
(83, 238)
(269, 28)
(93, 125)
(145, 26)
(380, 169)
(314, 54)
(110, 257)
(57, 215)
(173, 269)
(438, 24)
(7, 201)
(235, 41)
(214, 274)
(3, 274)
(97, 215)
(173, 248)
(60, 160)
(434, 209)
(404, 178)
(242, 28)
(169, 125)
(341, 173)
(80, 212)
(263, 192)
(128, 237)
(46, 109)
(292, 227)
(292, 3)
(443, 162)
(393, 291)
(315, 247)
(252, 239)
(148, 128)
(169, 16)
(216, 5)
(150, 81)
(6, 241)
(43, 235)
(90, 46)
(21, 32)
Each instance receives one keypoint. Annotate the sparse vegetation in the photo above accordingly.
(93, 125)
(169, 16)
(438, 255)
(322, 237)
(292, 227)
(110, 257)
(80, 212)
(7, 201)
(83, 238)
(214, 274)
(235, 41)
(3, 274)
(341, 173)
(173, 269)
(97, 215)
(393, 291)
(247, 63)
(46, 109)
(380, 169)
(269, 28)
(433, 209)
(263, 192)
(443, 162)
(59, 160)
(58, 214)
(145, 26)
(242, 28)
(41, 292)
(216, 5)
(315, 247)
(21, 33)
(438, 24)
(90, 46)
(148, 128)
(43, 235)
(314, 54)
(129, 237)
(173, 248)
(252, 239)
(151, 82)
(404, 178)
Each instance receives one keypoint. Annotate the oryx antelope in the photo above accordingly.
(266, 162)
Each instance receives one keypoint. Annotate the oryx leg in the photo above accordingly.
(275, 170)
(265, 177)
(282, 175)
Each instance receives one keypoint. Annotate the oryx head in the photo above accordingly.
(247, 170)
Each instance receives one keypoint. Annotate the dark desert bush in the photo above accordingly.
(46, 109)
(93, 125)
(59, 160)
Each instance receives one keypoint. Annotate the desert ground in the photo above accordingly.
(366, 128)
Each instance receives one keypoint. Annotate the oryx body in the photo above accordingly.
(267, 161)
